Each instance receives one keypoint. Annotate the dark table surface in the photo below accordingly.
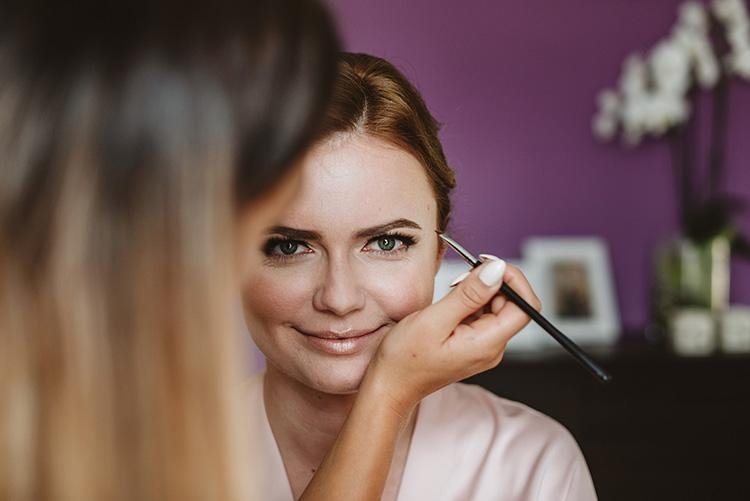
(667, 427)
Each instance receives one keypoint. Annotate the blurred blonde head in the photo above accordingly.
(131, 137)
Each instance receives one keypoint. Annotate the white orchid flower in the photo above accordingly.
(739, 63)
(670, 65)
(701, 53)
(665, 111)
(609, 101)
(707, 70)
(729, 11)
(652, 95)
(633, 78)
(604, 126)
(634, 118)
(693, 16)
(660, 112)
(739, 37)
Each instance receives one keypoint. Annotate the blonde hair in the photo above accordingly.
(127, 143)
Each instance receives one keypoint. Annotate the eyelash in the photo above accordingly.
(269, 248)
(406, 241)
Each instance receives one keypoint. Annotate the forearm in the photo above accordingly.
(357, 466)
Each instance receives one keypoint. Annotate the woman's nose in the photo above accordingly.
(340, 293)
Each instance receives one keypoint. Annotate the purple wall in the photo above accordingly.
(514, 85)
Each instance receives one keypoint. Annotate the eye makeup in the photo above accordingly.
(390, 244)
(282, 248)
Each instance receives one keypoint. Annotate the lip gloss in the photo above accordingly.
(341, 345)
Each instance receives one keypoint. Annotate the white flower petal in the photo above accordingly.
(608, 101)
(670, 64)
(729, 11)
(739, 37)
(604, 126)
(635, 112)
(693, 15)
(739, 63)
(707, 73)
(633, 77)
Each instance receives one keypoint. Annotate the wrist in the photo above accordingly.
(378, 392)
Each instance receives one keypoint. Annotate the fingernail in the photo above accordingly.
(459, 279)
(488, 257)
(492, 273)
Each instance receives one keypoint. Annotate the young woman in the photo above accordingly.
(348, 264)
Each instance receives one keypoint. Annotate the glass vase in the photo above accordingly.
(691, 274)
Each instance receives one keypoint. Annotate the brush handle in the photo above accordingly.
(553, 331)
(561, 338)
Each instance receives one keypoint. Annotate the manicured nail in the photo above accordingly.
(459, 279)
(492, 273)
(488, 257)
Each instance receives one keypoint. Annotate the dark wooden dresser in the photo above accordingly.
(666, 428)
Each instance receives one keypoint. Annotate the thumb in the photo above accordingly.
(473, 293)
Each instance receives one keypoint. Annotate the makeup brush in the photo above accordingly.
(537, 317)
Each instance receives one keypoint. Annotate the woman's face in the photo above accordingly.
(353, 253)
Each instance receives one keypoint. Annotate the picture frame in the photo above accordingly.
(573, 278)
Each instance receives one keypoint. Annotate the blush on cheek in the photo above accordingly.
(403, 293)
(270, 296)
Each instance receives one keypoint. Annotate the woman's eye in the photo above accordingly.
(285, 248)
(386, 243)
(289, 247)
(389, 244)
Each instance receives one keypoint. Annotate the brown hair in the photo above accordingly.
(130, 132)
(371, 96)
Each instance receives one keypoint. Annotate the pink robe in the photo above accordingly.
(467, 444)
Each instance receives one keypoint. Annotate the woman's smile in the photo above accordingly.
(348, 342)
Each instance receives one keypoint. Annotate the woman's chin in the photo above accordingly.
(338, 377)
(339, 387)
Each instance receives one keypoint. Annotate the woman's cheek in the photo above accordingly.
(403, 290)
(276, 296)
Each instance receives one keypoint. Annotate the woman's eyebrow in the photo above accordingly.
(294, 233)
(374, 231)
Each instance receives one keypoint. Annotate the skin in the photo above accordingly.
(342, 278)
(340, 281)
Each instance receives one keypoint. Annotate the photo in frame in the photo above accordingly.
(572, 276)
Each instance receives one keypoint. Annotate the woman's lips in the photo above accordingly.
(348, 343)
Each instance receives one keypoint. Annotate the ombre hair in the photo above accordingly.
(372, 97)
(131, 134)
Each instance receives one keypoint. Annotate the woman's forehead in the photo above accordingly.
(357, 183)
